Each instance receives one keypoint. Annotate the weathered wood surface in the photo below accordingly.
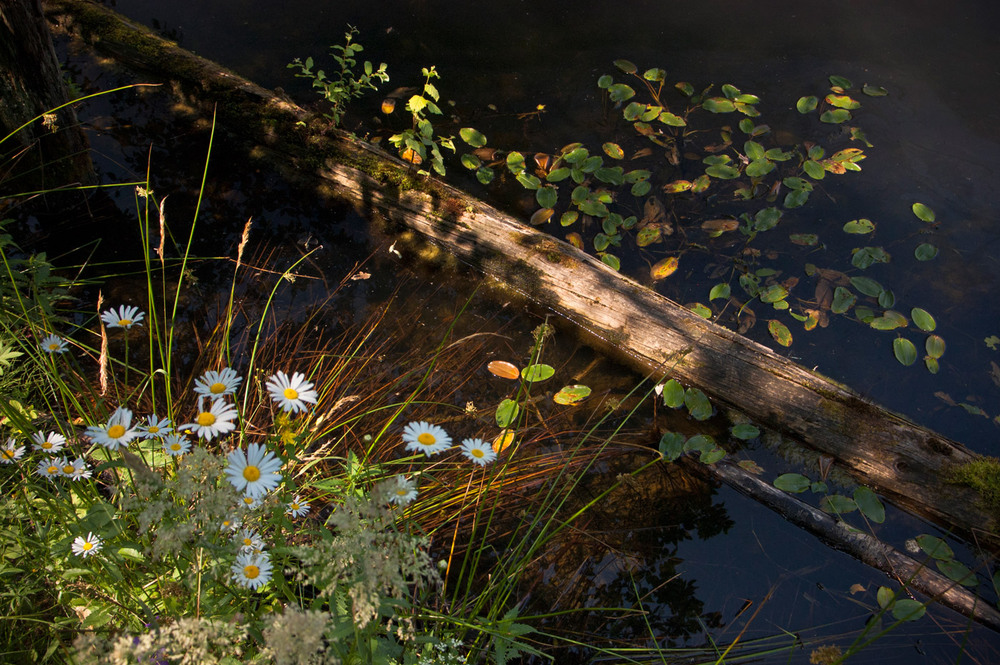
(904, 462)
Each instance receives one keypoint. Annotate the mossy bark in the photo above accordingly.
(906, 463)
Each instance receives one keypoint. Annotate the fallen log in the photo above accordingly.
(906, 463)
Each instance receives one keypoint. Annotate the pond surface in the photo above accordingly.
(935, 139)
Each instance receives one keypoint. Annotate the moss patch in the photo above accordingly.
(983, 475)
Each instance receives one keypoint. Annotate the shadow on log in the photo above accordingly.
(904, 462)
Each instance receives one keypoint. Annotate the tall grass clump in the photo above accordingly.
(224, 485)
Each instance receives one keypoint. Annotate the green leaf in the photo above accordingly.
(672, 120)
(697, 404)
(766, 219)
(472, 136)
(804, 239)
(558, 175)
(923, 212)
(745, 432)
(885, 597)
(792, 482)
(842, 101)
(626, 66)
(568, 217)
(859, 226)
(841, 82)
(672, 445)
(619, 92)
(760, 167)
(613, 150)
(806, 104)
(904, 350)
(837, 504)
(843, 300)
(835, 116)
(779, 331)
(471, 162)
(605, 81)
(611, 260)
(866, 256)
(673, 394)
(957, 572)
(925, 251)
(814, 169)
(529, 181)
(907, 609)
(537, 372)
(700, 443)
(796, 198)
(932, 364)
(570, 395)
(641, 188)
(923, 319)
(723, 172)
(720, 290)
(753, 150)
(869, 504)
(701, 310)
(712, 456)
(647, 236)
(886, 299)
(547, 196)
(507, 413)
(485, 175)
(515, 162)
(773, 293)
(867, 286)
(935, 346)
(874, 90)
(718, 105)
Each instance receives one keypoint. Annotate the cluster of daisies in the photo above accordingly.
(52, 465)
(423, 437)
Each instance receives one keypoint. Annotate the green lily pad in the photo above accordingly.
(869, 504)
(935, 346)
(807, 104)
(537, 372)
(745, 432)
(792, 482)
(859, 226)
(904, 350)
(923, 319)
(697, 404)
(472, 136)
(923, 212)
(570, 395)
(835, 116)
(925, 251)
(673, 394)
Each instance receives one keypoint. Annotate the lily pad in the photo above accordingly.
(925, 252)
(923, 212)
(923, 319)
(904, 350)
(507, 413)
(472, 136)
(745, 432)
(613, 150)
(537, 372)
(721, 290)
(503, 369)
(859, 226)
(869, 504)
(664, 268)
(806, 104)
(673, 394)
(835, 116)
(779, 331)
(792, 482)
(697, 404)
(935, 346)
(570, 395)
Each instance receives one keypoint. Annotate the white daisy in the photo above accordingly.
(251, 503)
(53, 344)
(11, 452)
(256, 472)
(402, 491)
(86, 546)
(249, 541)
(80, 469)
(52, 442)
(125, 317)
(176, 445)
(291, 394)
(297, 507)
(154, 428)
(252, 570)
(478, 451)
(217, 384)
(426, 438)
(216, 421)
(48, 468)
(117, 432)
(231, 524)
(66, 467)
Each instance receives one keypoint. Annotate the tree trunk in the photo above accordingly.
(905, 462)
(47, 153)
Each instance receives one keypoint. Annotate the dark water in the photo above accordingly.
(935, 135)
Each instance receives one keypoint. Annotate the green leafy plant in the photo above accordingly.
(418, 144)
(346, 84)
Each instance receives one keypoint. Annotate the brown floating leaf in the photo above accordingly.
(664, 268)
(541, 216)
(653, 211)
(644, 152)
(720, 225)
(503, 369)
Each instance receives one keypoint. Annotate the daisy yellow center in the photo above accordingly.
(53, 470)
(251, 572)
(291, 393)
(87, 546)
(248, 500)
(294, 506)
(477, 452)
(153, 429)
(124, 322)
(68, 469)
(175, 446)
(206, 419)
(426, 439)
(8, 453)
(115, 431)
(46, 445)
(402, 492)
(247, 542)
(217, 387)
(53, 346)
(251, 473)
